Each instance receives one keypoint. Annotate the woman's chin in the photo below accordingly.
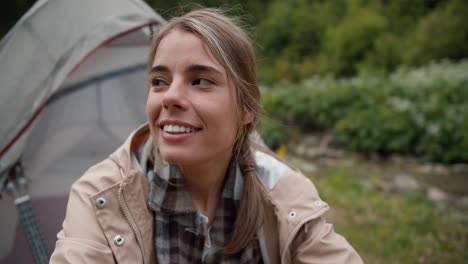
(177, 159)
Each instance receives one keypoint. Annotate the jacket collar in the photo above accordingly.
(123, 155)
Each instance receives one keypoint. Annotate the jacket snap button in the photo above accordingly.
(119, 240)
(318, 203)
(101, 202)
(292, 214)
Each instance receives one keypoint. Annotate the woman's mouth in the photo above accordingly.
(174, 129)
(174, 132)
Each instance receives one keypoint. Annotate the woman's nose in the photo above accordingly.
(174, 96)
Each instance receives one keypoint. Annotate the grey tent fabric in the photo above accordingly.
(44, 47)
(72, 87)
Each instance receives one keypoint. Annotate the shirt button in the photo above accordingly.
(318, 203)
(101, 202)
(292, 214)
(119, 240)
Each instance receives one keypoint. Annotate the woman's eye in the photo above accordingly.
(201, 82)
(157, 82)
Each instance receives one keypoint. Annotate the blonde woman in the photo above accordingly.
(189, 186)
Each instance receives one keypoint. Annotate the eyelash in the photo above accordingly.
(154, 84)
(199, 80)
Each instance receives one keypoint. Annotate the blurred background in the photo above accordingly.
(370, 99)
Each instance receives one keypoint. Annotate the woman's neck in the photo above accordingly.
(204, 182)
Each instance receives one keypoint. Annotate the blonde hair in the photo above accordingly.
(232, 47)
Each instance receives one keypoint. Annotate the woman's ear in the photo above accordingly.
(247, 117)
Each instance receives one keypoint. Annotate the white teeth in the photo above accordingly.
(177, 129)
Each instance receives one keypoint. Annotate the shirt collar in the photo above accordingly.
(168, 191)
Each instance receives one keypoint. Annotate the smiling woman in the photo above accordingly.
(190, 186)
(189, 88)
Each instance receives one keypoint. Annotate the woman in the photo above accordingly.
(189, 186)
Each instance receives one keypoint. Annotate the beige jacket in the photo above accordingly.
(108, 220)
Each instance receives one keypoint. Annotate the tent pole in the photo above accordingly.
(17, 186)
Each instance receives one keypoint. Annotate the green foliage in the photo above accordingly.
(419, 112)
(400, 229)
(274, 134)
(305, 37)
(441, 34)
(291, 37)
(348, 43)
(384, 56)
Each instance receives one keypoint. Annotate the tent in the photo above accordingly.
(72, 87)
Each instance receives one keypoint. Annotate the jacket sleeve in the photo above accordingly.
(81, 239)
(317, 242)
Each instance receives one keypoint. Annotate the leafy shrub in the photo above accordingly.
(274, 133)
(300, 38)
(441, 34)
(349, 42)
(420, 112)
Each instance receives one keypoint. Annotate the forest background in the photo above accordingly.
(340, 65)
(382, 78)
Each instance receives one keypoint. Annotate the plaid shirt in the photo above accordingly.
(182, 234)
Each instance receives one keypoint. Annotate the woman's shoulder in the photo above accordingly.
(285, 184)
(271, 170)
(293, 197)
(98, 177)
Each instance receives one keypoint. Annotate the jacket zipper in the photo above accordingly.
(296, 230)
(127, 217)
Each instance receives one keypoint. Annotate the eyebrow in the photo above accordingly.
(203, 68)
(159, 68)
(191, 68)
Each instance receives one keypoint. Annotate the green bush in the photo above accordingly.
(421, 112)
(441, 34)
(300, 38)
(350, 41)
(274, 133)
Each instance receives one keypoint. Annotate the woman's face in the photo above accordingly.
(191, 109)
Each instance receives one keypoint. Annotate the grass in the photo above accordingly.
(392, 228)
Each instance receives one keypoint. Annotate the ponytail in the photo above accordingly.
(250, 213)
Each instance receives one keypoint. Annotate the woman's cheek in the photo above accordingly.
(153, 106)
